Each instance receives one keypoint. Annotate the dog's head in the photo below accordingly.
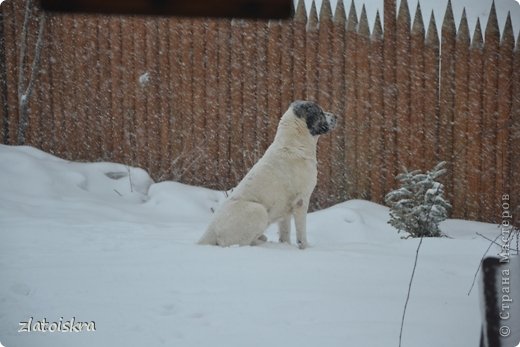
(318, 121)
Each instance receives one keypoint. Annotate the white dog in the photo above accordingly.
(278, 186)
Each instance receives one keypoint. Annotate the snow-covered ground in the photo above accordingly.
(101, 242)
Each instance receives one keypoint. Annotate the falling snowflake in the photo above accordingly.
(144, 79)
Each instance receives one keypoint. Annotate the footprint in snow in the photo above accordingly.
(352, 217)
(21, 289)
(168, 310)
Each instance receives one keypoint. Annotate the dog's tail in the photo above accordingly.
(209, 238)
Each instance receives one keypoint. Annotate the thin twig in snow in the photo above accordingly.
(492, 242)
(409, 289)
(482, 259)
(130, 180)
(488, 239)
(412, 276)
(510, 238)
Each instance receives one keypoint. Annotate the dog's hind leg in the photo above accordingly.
(243, 223)
(255, 224)
(284, 229)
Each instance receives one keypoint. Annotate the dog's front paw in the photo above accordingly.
(284, 240)
(302, 244)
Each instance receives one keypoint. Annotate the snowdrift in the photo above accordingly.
(102, 242)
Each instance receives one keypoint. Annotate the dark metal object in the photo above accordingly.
(500, 302)
(261, 9)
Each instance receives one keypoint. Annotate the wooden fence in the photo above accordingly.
(198, 100)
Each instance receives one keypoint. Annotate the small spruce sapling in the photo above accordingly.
(419, 205)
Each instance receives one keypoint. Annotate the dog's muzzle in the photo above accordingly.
(331, 120)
